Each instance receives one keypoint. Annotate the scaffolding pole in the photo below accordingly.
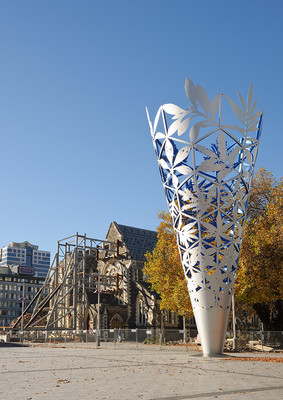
(61, 302)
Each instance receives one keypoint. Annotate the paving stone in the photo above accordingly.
(123, 372)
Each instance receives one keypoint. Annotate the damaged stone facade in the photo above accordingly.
(132, 303)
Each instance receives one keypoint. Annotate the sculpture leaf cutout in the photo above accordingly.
(203, 98)
(182, 154)
(194, 132)
(206, 168)
(191, 92)
(172, 109)
(214, 106)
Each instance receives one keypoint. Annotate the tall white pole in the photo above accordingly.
(234, 323)
(184, 329)
(23, 308)
(98, 311)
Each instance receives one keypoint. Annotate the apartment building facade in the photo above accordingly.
(26, 254)
(17, 288)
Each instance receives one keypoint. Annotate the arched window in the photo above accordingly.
(116, 322)
(141, 311)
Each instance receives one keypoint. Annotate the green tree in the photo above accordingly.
(260, 276)
(165, 272)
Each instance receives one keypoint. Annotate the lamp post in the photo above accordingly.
(98, 311)
(234, 323)
(184, 329)
(23, 308)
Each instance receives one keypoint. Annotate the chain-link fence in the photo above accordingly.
(103, 337)
(244, 340)
(256, 340)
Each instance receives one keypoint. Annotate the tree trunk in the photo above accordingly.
(271, 315)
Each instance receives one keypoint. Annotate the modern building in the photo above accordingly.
(27, 255)
(18, 286)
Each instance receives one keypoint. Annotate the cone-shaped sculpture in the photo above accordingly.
(206, 165)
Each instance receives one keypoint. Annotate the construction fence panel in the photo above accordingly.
(264, 341)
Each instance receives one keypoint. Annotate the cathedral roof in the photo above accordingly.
(138, 241)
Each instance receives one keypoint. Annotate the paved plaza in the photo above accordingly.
(81, 371)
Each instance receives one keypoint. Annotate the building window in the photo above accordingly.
(166, 315)
(141, 312)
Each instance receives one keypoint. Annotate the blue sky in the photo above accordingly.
(76, 151)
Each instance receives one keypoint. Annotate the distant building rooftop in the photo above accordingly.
(23, 245)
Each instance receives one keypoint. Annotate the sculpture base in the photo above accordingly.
(222, 355)
(212, 326)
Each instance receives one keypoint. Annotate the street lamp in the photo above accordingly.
(23, 308)
(97, 274)
(234, 323)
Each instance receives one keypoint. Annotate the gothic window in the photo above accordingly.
(141, 312)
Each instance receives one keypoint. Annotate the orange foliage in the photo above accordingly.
(260, 274)
(165, 272)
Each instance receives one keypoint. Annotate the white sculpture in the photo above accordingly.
(206, 165)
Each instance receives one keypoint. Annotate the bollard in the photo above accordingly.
(137, 339)
(97, 338)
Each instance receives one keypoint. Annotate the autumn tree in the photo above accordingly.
(260, 276)
(165, 272)
(259, 283)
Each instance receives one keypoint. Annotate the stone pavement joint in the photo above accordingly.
(218, 394)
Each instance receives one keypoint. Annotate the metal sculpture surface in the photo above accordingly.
(206, 165)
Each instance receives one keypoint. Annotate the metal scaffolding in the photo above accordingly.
(62, 301)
